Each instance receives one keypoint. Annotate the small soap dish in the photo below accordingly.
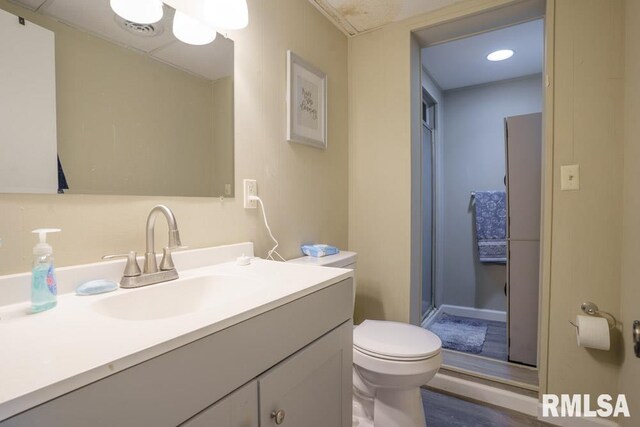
(319, 250)
(95, 287)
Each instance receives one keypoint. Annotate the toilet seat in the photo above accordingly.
(395, 341)
(398, 368)
(392, 359)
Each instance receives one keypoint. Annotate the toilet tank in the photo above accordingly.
(343, 259)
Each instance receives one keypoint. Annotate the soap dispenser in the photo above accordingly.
(44, 287)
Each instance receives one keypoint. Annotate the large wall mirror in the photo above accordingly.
(93, 104)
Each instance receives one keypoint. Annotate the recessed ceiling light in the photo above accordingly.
(500, 55)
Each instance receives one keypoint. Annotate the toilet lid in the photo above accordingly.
(395, 340)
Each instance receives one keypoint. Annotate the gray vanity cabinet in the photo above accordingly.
(307, 390)
(304, 390)
(239, 409)
(295, 358)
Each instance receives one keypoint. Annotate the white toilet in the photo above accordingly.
(391, 360)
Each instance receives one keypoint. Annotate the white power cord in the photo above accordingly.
(266, 224)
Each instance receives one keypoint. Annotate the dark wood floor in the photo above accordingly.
(495, 344)
(443, 410)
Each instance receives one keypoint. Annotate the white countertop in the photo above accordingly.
(48, 354)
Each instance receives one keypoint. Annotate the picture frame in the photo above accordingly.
(306, 103)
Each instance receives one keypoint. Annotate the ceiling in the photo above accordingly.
(463, 62)
(357, 16)
(211, 61)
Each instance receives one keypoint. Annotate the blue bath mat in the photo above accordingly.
(460, 333)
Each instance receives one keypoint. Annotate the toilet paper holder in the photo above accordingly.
(592, 310)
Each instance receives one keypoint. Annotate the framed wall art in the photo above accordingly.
(306, 103)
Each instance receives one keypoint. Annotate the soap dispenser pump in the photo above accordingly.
(44, 287)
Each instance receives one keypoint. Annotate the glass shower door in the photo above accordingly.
(428, 197)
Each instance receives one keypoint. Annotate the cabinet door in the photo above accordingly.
(239, 409)
(312, 388)
(524, 168)
(523, 301)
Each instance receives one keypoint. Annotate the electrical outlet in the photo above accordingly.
(250, 189)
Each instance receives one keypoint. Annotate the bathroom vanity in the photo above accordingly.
(225, 345)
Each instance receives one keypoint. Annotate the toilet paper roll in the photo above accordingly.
(593, 332)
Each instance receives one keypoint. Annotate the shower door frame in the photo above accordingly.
(429, 101)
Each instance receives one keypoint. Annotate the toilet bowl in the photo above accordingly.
(391, 361)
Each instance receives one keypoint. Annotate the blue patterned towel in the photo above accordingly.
(491, 225)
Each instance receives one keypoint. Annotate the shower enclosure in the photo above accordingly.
(429, 106)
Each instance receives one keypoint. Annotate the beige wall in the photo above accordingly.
(586, 239)
(304, 189)
(379, 172)
(630, 289)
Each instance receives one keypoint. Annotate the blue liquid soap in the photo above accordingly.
(44, 289)
(44, 286)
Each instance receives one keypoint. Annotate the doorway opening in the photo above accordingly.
(480, 196)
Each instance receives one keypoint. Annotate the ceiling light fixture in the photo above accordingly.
(226, 14)
(500, 55)
(191, 31)
(138, 11)
(195, 21)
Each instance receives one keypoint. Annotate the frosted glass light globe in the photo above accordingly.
(140, 11)
(226, 14)
(191, 31)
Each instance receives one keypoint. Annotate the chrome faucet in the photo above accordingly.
(133, 277)
(150, 265)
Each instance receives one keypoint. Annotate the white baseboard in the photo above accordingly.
(509, 400)
(486, 394)
(476, 313)
(576, 422)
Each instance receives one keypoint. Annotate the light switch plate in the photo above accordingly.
(570, 177)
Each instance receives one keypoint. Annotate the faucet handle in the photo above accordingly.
(167, 260)
(132, 268)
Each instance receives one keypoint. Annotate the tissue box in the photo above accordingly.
(319, 250)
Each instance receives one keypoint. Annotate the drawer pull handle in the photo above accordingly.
(278, 416)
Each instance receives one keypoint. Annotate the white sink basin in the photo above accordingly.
(177, 298)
